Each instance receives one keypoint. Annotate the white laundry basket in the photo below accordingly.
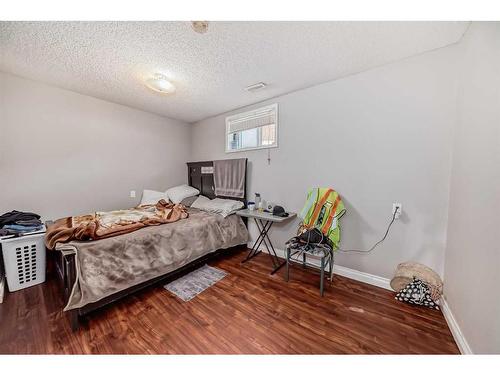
(24, 260)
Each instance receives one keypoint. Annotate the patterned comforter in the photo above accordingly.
(110, 265)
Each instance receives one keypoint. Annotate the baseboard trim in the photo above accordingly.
(350, 273)
(384, 283)
(364, 277)
(459, 337)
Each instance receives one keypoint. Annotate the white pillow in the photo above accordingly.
(228, 206)
(178, 193)
(224, 207)
(152, 197)
(201, 203)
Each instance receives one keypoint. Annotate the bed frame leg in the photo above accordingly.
(74, 320)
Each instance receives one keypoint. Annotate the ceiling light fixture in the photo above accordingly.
(201, 27)
(161, 84)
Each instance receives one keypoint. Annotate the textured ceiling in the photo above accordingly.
(111, 60)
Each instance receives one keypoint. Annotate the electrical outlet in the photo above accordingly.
(132, 193)
(399, 208)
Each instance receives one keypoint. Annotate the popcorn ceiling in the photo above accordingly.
(112, 60)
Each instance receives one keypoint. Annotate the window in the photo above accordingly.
(252, 130)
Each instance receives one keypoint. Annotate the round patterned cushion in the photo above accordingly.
(417, 293)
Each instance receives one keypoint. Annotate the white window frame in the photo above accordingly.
(248, 113)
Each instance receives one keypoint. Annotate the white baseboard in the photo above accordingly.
(462, 343)
(350, 273)
(364, 277)
(384, 283)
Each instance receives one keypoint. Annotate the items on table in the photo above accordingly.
(19, 223)
(257, 200)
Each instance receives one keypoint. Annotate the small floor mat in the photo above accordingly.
(189, 286)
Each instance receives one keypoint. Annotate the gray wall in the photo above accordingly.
(473, 251)
(63, 153)
(377, 137)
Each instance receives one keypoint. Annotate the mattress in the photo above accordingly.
(111, 265)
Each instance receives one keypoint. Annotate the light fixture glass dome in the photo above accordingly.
(161, 84)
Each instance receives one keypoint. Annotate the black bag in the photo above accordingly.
(310, 239)
(312, 236)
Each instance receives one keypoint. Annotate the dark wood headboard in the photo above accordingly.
(201, 177)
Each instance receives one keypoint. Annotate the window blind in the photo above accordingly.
(250, 120)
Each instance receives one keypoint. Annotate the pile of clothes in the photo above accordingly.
(18, 223)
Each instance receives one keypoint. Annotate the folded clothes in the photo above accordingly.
(22, 228)
(28, 223)
(16, 233)
(14, 216)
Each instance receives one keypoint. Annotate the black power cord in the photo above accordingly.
(378, 243)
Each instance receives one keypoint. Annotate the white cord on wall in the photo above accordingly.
(376, 244)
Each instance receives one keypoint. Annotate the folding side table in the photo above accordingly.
(264, 222)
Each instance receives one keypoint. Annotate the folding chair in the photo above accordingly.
(318, 234)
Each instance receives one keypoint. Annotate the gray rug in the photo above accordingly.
(189, 286)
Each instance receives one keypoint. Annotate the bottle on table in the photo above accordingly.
(257, 201)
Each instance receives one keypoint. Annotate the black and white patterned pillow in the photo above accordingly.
(417, 293)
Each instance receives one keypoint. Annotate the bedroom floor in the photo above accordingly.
(249, 311)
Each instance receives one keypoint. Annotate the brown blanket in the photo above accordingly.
(108, 224)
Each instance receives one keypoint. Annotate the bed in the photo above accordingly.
(94, 274)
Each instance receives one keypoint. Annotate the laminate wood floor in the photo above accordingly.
(249, 311)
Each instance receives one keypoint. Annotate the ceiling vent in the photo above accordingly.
(255, 87)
